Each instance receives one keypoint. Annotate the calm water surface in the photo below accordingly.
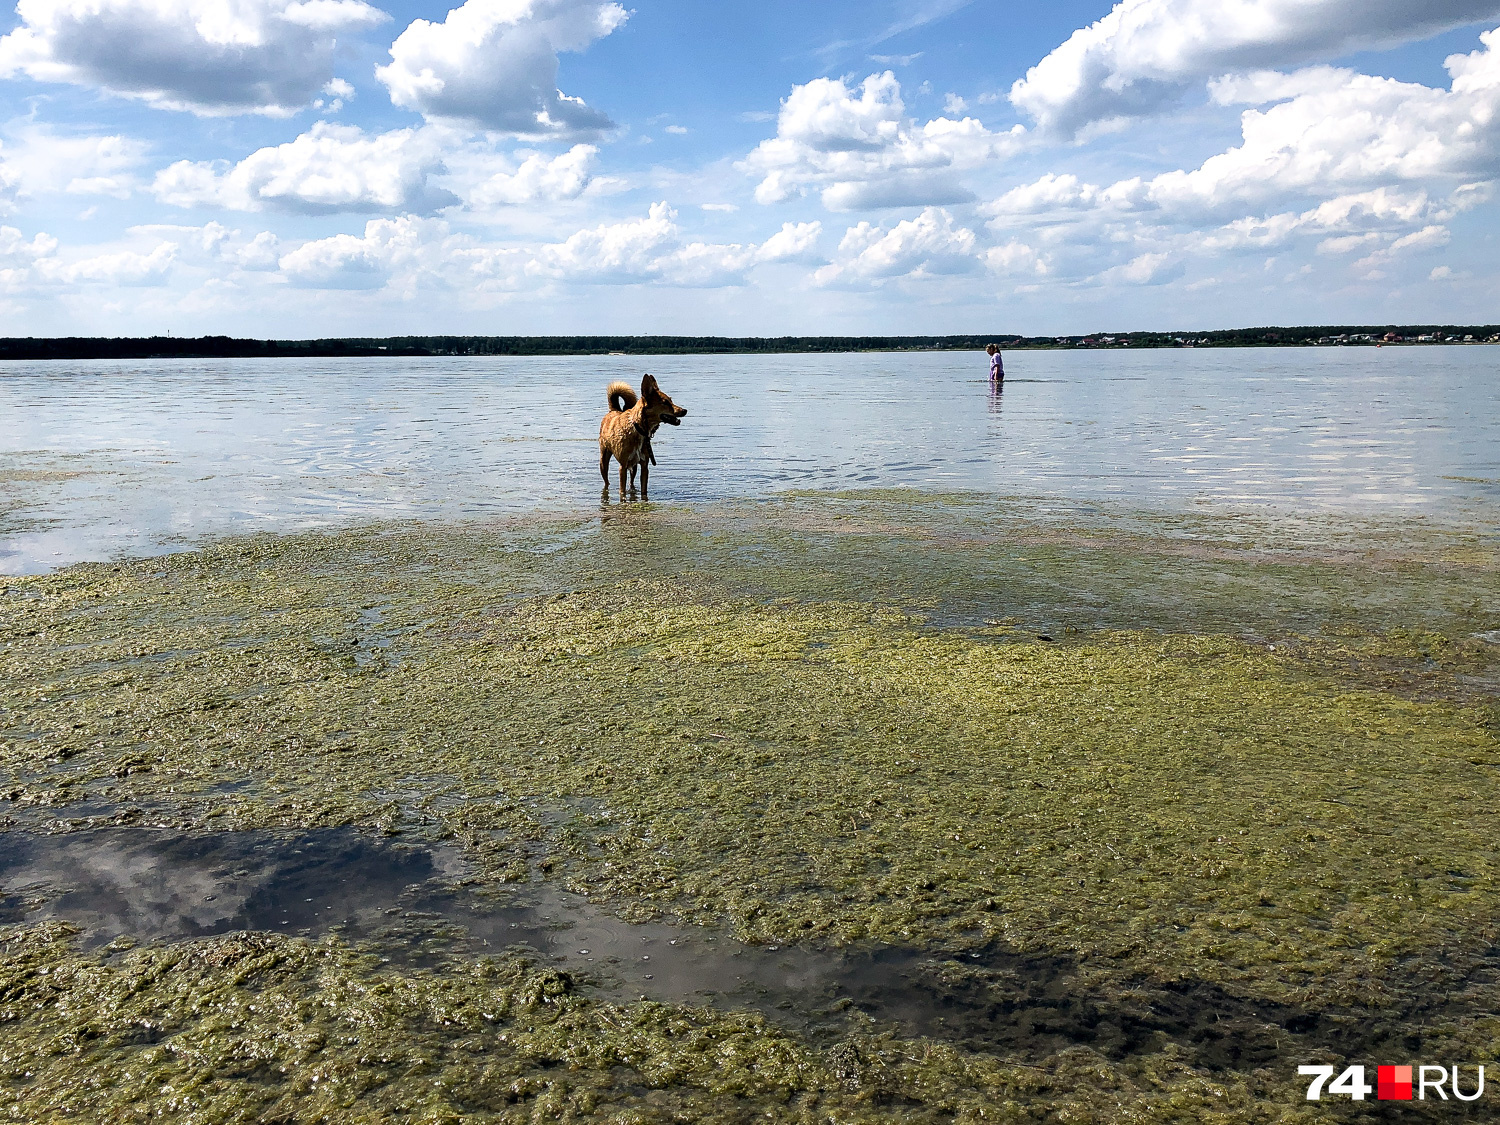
(102, 459)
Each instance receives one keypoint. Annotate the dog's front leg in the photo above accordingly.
(645, 476)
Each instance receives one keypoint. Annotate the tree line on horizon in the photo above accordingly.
(210, 347)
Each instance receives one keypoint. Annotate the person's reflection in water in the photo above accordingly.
(996, 391)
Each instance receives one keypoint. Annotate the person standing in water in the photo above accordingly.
(997, 366)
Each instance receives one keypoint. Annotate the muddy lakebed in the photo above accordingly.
(833, 807)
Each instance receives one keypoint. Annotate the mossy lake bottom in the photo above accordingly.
(830, 808)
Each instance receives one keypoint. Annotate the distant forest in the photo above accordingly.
(212, 347)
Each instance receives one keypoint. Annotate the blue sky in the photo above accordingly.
(296, 168)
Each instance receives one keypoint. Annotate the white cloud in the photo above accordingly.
(794, 242)
(1146, 269)
(1016, 258)
(408, 253)
(214, 243)
(123, 267)
(621, 251)
(1348, 131)
(19, 258)
(42, 162)
(538, 179)
(16, 249)
(926, 246)
(1352, 145)
(1050, 193)
(1366, 221)
(493, 64)
(388, 246)
(206, 56)
(1087, 234)
(336, 93)
(1362, 133)
(652, 249)
(1348, 243)
(1146, 53)
(1428, 238)
(858, 148)
(328, 169)
(261, 253)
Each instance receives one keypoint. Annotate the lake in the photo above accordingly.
(103, 459)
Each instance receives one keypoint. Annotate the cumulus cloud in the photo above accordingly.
(16, 249)
(1083, 240)
(261, 253)
(929, 245)
(1016, 258)
(857, 148)
(1352, 130)
(330, 168)
(538, 179)
(388, 246)
(123, 267)
(652, 249)
(1368, 142)
(1428, 238)
(493, 64)
(19, 256)
(215, 243)
(1146, 53)
(1410, 140)
(206, 56)
(407, 252)
(1156, 268)
(41, 161)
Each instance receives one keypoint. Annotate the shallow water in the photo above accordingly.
(163, 886)
(128, 457)
(409, 901)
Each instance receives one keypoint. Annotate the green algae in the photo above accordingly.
(1259, 756)
(256, 1028)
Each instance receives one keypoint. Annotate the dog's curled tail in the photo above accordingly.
(621, 396)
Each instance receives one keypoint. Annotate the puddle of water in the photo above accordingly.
(673, 964)
(160, 886)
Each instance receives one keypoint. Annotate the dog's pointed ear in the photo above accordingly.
(649, 389)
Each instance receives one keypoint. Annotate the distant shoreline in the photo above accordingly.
(224, 347)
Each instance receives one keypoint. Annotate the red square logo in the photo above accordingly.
(1393, 1083)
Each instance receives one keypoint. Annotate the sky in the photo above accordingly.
(314, 168)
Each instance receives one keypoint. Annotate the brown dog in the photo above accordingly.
(625, 433)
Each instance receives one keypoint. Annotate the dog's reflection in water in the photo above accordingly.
(626, 431)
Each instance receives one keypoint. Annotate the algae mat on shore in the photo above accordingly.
(1251, 765)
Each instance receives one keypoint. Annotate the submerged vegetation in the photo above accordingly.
(1239, 767)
